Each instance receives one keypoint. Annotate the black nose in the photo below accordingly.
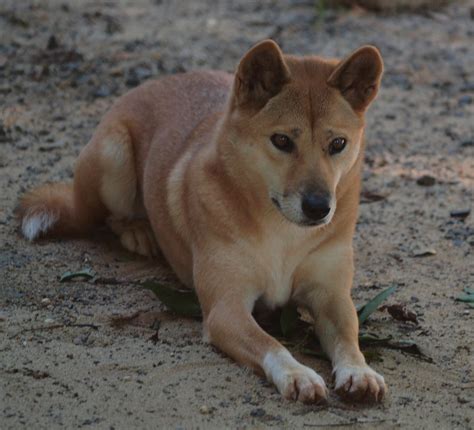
(315, 206)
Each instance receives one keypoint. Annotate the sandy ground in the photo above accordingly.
(61, 362)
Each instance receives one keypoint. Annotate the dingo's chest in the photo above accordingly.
(278, 257)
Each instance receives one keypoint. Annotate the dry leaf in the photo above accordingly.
(400, 313)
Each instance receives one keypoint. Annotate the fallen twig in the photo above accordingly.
(54, 326)
(108, 281)
(351, 423)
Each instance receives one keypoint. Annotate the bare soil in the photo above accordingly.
(62, 364)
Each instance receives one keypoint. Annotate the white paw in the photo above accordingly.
(293, 380)
(359, 383)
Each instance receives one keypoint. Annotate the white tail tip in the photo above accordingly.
(34, 224)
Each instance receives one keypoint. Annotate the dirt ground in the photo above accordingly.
(62, 364)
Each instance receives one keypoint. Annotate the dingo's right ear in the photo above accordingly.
(261, 74)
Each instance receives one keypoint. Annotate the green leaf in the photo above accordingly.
(372, 356)
(181, 302)
(373, 304)
(410, 347)
(87, 273)
(468, 298)
(288, 319)
(373, 339)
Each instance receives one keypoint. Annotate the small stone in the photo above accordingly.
(82, 339)
(45, 301)
(204, 410)
(52, 146)
(22, 145)
(116, 71)
(137, 75)
(49, 321)
(211, 23)
(465, 100)
(467, 87)
(424, 252)
(257, 412)
(112, 25)
(102, 91)
(127, 378)
(426, 181)
(52, 43)
(460, 213)
(3, 134)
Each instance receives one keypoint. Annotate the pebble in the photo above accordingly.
(257, 412)
(424, 252)
(464, 100)
(204, 410)
(52, 146)
(46, 301)
(137, 75)
(82, 339)
(52, 43)
(426, 181)
(22, 145)
(460, 213)
(102, 91)
(49, 321)
(3, 134)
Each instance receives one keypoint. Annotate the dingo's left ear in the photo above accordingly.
(261, 74)
(358, 77)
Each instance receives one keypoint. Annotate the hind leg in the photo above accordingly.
(105, 185)
(118, 189)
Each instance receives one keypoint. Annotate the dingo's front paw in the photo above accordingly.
(359, 383)
(302, 384)
(293, 380)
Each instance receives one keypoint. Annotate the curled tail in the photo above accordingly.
(49, 211)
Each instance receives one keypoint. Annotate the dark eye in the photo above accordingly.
(282, 142)
(337, 145)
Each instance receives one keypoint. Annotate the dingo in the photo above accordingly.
(249, 185)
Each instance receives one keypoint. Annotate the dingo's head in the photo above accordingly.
(295, 125)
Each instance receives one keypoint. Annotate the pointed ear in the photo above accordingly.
(358, 77)
(261, 74)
